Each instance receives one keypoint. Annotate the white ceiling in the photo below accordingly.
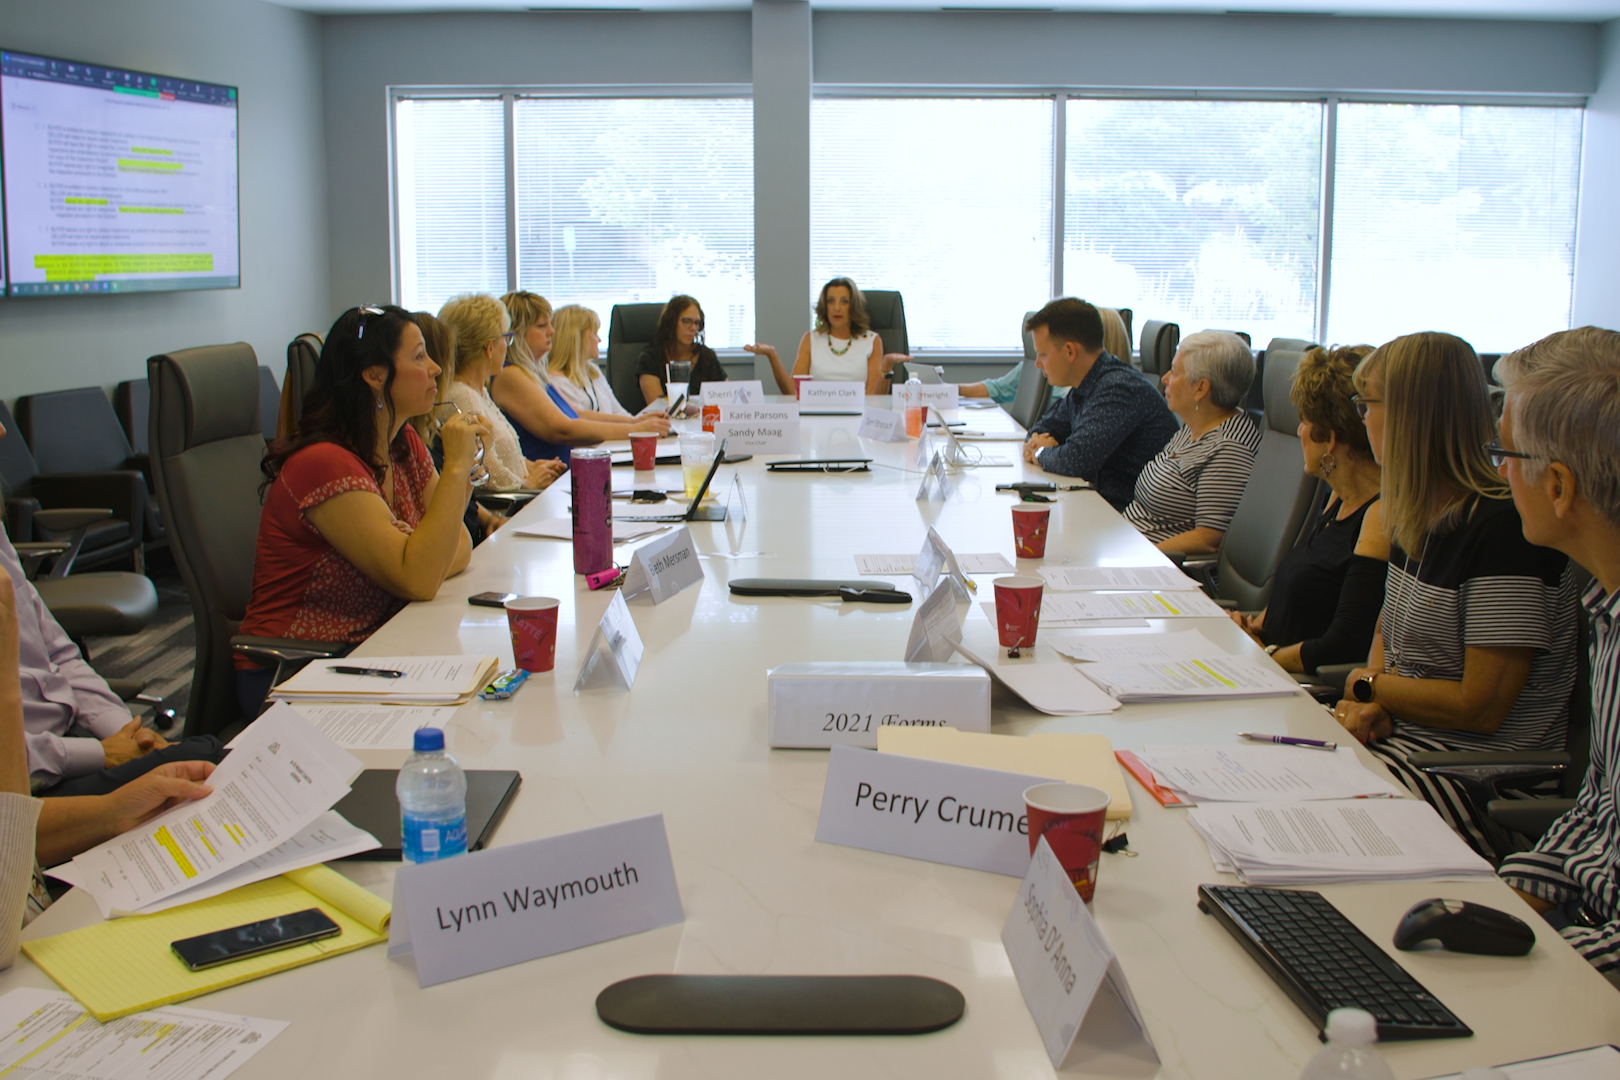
(1559, 10)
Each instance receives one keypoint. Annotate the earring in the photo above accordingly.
(1328, 464)
(379, 405)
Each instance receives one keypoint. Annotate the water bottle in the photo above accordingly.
(914, 407)
(1349, 1053)
(432, 792)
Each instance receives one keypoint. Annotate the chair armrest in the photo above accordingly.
(122, 491)
(506, 502)
(1176, 557)
(126, 689)
(1484, 772)
(1528, 817)
(64, 519)
(275, 651)
(20, 518)
(1334, 675)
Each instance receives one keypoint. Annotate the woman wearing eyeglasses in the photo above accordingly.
(677, 339)
(1475, 649)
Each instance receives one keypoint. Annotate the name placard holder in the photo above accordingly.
(936, 395)
(663, 567)
(740, 392)
(759, 429)
(936, 558)
(937, 478)
(843, 396)
(935, 628)
(882, 425)
(1071, 980)
(616, 637)
(488, 910)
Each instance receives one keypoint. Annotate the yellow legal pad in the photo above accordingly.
(1072, 758)
(125, 965)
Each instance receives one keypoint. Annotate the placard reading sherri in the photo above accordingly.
(663, 567)
(739, 392)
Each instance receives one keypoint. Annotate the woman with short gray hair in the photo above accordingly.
(1186, 496)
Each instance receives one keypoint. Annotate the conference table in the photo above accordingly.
(761, 896)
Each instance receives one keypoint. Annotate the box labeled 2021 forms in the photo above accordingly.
(818, 705)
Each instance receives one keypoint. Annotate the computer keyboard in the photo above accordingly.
(1324, 963)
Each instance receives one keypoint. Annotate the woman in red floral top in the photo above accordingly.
(356, 522)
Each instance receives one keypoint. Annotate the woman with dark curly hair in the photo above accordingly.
(842, 347)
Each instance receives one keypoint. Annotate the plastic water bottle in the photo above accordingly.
(432, 792)
(914, 407)
(1349, 1053)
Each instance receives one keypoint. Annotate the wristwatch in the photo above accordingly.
(1271, 650)
(1362, 688)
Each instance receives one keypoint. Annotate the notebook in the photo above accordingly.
(372, 805)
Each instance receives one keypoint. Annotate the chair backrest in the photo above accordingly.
(630, 329)
(1033, 397)
(303, 352)
(1277, 499)
(73, 431)
(1254, 402)
(887, 312)
(1125, 315)
(1158, 348)
(131, 401)
(269, 402)
(17, 465)
(1029, 338)
(207, 441)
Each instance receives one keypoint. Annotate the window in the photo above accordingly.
(450, 179)
(947, 200)
(1454, 217)
(1202, 213)
(637, 199)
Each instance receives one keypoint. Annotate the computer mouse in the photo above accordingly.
(1463, 927)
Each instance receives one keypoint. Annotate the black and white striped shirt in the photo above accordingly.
(1579, 857)
(1483, 585)
(1195, 483)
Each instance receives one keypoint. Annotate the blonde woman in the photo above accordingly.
(575, 345)
(842, 347)
(547, 426)
(1475, 649)
(478, 325)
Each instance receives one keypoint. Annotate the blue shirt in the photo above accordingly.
(534, 447)
(1003, 388)
(1107, 429)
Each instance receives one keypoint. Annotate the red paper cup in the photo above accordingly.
(1018, 610)
(711, 413)
(798, 384)
(1029, 530)
(533, 623)
(1070, 816)
(644, 449)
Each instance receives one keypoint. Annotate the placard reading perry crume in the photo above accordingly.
(503, 906)
(953, 814)
(663, 567)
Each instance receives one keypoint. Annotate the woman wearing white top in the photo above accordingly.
(571, 364)
(842, 347)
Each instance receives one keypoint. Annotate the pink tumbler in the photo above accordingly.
(592, 472)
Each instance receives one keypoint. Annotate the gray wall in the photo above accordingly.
(1597, 249)
(273, 55)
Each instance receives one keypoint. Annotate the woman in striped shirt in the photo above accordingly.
(1186, 496)
(1475, 649)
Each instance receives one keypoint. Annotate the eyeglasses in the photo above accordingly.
(366, 310)
(1363, 404)
(508, 336)
(1499, 453)
(695, 324)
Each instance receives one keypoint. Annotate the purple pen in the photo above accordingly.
(1288, 740)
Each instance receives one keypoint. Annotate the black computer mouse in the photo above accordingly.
(1463, 927)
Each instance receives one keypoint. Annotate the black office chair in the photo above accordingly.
(207, 443)
(1033, 397)
(630, 330)
(1158, 348)
(303, 352)
(132, 402)
(269, 402)
(886, 311)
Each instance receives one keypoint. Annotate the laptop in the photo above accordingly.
(932, 374)
(697, 511)
(372, 805)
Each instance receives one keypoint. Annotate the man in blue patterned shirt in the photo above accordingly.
(1112, 423)
(1560, 452)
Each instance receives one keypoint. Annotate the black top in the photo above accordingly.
(1107, 429)
(706, 368)
(1325, 596)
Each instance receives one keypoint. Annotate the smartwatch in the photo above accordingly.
(1362, 688)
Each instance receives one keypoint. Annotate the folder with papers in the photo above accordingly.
(425, 680)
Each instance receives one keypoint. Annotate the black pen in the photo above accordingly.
(381, 673)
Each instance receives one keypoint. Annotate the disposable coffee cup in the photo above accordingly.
(1029, 530)
(644, 450)
(532, 621)
(1018, 610)
(1071, 817)
(798, 385)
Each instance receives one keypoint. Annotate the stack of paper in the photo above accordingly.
(623, 528)
(1323, 843)
(1264, 774)
(1082, 608)
(1139, 648)
(1046, 682)
(1190, 680)
(364, 726)
(1093, 578)
(894, 565)
(427, 680)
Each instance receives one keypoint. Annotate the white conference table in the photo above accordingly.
(762, 897)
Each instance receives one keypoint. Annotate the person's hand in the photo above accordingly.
(657, 422)
(460, 435)
(130, 742)
(1249, 624)
(1037, 442)
(890, 359)
(767, 351)
(145, 797)
(543, 473)
(1368, 721)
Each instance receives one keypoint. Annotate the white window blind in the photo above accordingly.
(637, 199)
(1201, 213)
(1454, 217)
(948, 201)
(450, 176)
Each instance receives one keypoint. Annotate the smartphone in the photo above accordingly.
(676, 406)
(733, 459)
(491, 599)
(240, 942)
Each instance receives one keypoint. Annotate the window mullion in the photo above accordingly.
(509, 102)
(1060, 134)
(1324, 258)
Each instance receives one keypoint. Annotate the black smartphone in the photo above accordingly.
(733, 459)
(491, 599)
(240, 942)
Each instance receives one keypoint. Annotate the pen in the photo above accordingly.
(381, 673)
(1288, 740)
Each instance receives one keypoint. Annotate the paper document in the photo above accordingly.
(1079, 608)
(1117, 577)
(374, 727)
(1264, 773)
(50, 1035)
(1072, 757)
(1049, 684)
(275, 783)
(1135, 648)
(428, 680)
(887, 565)
(1594, 1063)
(623, 528)
(1191, 680)
(1314, 843)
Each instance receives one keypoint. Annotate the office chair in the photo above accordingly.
(886, 310)
(303, 352)
(1033, 397)
(206, 447)
(1158, 348)
(269, 402)
(131, 402)
(630, 330)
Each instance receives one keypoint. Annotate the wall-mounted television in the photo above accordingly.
(115, 181)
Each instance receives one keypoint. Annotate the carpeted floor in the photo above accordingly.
(163, 654)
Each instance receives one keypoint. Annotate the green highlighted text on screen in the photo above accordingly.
(141, 165)
(89, 267)
(151, 150)
(74, 200)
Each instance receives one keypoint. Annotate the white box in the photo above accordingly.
(843, 703)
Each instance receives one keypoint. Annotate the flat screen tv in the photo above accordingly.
(115, 181)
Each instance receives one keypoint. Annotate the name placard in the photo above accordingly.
(882, 425)
(936, 478)
(1071, 979)
(618, 640)
(740, 392)
(759, 429)
(936, 558)
(663, 567)
(493, 908)
(843, 396)
(935, 628)
(821, 704)
(952, 814)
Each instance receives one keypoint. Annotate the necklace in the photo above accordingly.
(836, 351)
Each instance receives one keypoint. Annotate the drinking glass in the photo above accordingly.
(441, 413)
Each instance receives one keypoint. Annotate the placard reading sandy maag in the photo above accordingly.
(493, 908)
(759, 429)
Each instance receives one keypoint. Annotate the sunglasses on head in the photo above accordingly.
(366, 310)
